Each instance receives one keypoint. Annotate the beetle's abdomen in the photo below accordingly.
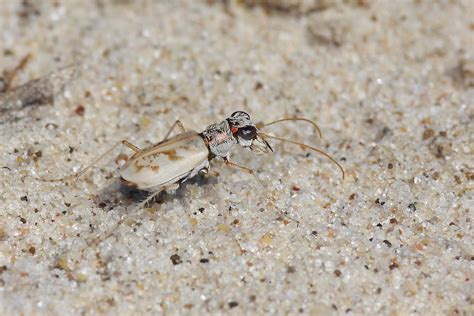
(167, 162)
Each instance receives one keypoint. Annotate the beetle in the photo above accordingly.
(167, 164)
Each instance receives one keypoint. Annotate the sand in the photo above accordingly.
(390, 83)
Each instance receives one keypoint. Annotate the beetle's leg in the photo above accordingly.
(210, 173)
(81, 172)
(243, 168)
(131, 146)
(142, 204)
(176, 123)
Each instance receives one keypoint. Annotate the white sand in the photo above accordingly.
(390, 84)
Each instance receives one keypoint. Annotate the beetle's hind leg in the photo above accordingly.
(81, 172)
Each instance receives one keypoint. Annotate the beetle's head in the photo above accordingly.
(246, 133)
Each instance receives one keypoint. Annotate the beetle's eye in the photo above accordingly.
(248, 132)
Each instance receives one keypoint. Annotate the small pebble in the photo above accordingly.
(80, 110)
(176, 259)
(428, 133)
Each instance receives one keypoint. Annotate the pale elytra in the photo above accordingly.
(167, 164)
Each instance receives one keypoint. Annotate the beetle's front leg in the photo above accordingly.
(237, 166)
(243, 168)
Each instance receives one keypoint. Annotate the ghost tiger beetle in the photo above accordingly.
(167, 164)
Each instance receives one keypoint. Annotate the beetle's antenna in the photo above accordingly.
(81, 172)
(263, 135)
(316, 127)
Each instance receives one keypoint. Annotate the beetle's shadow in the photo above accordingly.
(117, 194)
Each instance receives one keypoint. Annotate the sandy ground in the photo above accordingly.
(389, 82)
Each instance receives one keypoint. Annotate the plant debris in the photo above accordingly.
(37, 91)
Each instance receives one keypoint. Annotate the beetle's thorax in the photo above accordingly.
(219, 138)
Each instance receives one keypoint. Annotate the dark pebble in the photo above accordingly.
(393, 265)
(412, 207)
(176, 259)
(80, 110)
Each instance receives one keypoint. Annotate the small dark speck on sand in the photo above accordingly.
(233, 304)
(176, 259)
(80, 110)
(377, 201)
(393, 265)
